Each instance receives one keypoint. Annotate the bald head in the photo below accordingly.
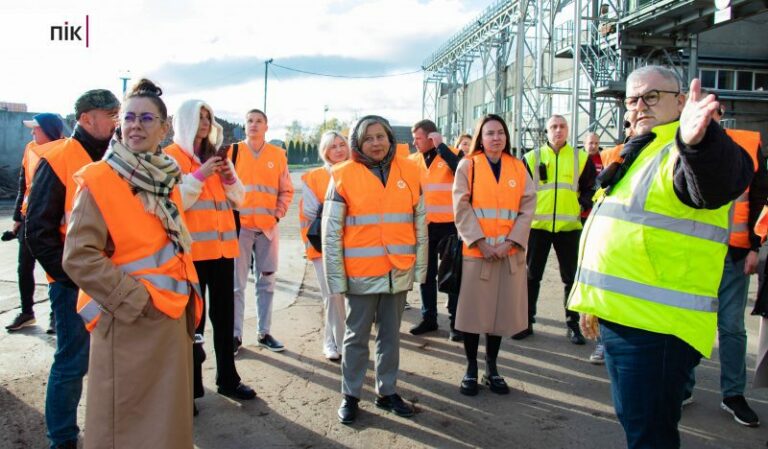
(592, 143)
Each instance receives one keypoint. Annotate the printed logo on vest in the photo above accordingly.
(441, 164)
(401, 184)
(270, 164)
(512, 183)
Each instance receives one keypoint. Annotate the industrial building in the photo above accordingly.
(528, 59)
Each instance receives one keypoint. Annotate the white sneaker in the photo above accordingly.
(333, 356)
(598, 355)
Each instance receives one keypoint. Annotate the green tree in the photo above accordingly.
(295, 132)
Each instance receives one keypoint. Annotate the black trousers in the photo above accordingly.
(218, 278)
(436, 233)
(567, 249)
(26, 270)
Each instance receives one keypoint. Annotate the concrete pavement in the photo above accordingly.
(558, 400)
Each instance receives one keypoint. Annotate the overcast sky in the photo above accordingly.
(215, 51)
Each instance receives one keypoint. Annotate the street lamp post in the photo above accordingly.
(325, 109)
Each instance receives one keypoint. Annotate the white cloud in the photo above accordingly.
(143, 36)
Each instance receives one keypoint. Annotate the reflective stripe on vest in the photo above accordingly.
(648, 261)
(167, 274)
(260, 174)
(495, 203)
(437, 184)
(379, 233)
(750, 142)
(557, 205)
(210, 219)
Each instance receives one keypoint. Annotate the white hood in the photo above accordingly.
(186, 121)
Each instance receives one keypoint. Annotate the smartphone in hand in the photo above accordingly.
(222, 153)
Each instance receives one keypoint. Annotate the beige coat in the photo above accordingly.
(494, 294)
(140, 368)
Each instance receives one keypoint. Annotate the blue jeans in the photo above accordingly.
(732, 335)
(70, 363)
(648, 373)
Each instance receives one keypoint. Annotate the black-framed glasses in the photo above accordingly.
(650, 98)
(145, 119)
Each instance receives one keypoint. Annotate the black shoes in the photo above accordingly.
(236, 344)
(574, 335)
(455, 335)
(424, 327)
(348, 409)
(270, 343)
(742, 413)
(469, 386)
(496, 383)
(524, 333)
(395, 404)
(21, 321)
(51, 325)
(241, 391)
(71, 444)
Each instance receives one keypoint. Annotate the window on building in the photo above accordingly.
(743, 80)
(478, 111)
(708, 79)
(509, 104)
(725, 79)
(761, 81)
(490, 107)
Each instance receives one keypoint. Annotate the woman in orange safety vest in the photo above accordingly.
(374, 248)
(129, 251)
(462, 143)
(209, 190)
(333, 149)
(493, 201)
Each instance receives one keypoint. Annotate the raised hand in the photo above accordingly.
(696, 114)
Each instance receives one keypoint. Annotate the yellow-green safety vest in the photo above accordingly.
(557, 198)
(648, 261)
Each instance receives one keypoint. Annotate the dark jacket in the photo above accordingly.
(45, 210)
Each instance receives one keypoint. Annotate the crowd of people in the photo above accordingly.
(655, 241)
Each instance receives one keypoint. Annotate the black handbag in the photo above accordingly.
(450, 250)
(315, 232)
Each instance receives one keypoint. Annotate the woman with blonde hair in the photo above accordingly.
(129, 251)
(493, 201)
(463, 143)
(333, 149)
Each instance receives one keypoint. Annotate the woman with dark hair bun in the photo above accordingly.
(129, 251)
(493, 202)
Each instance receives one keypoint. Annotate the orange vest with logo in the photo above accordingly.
(316, 180)
(750, 142)
(142, 247)
(379, 231)
(209, 219)
(437, 183)
(66, 157)
(261, 177)
(496, 204)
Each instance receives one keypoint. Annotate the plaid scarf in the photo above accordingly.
(152, 177)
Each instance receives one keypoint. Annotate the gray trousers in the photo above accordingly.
(362, 310)
(254, 243)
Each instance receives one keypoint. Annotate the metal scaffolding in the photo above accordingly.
(515, 42)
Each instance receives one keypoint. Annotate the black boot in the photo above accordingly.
(574, 333)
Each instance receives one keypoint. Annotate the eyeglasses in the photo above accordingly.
(650, 98)
(146, 119)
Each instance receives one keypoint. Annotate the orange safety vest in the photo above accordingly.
(379, 230)
(210, 220)
(612, 155)
(402, 150)
(29, 163)
(142, 247)
(261, 177)
(437, 184)
(496, 204)
(66, 157)
(750, 142)
(316, 180)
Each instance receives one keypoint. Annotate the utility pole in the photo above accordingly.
(125, 79)
(266, 67)
(325, 109)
